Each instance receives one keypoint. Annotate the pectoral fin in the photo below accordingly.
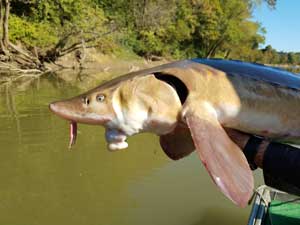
(222, 158)
(178, 143)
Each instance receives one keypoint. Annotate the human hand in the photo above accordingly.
(241, 139)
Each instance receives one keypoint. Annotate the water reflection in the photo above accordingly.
(44, 183)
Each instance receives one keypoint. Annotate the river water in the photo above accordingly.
(42, 182)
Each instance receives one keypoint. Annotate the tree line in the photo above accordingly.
(38, 31)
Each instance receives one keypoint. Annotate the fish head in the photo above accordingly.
(93, 107)
(124, 107)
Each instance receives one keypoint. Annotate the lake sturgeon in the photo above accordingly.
(188, 104)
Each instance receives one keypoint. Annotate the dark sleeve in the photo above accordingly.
(281, 166)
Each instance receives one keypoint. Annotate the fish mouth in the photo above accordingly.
(116, 139)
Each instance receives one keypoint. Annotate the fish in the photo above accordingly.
(189, 104)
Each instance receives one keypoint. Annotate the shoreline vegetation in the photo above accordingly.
(37, 37)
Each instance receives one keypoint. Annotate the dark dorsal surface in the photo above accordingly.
(255, 71)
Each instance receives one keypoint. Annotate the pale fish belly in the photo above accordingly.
(274, 124)
(259, 123)
(249, 121)
(264, 124)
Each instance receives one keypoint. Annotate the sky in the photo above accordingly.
(282, 24)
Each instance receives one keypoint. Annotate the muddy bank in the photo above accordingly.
(96, 67)
(85, 72)
(95, 60)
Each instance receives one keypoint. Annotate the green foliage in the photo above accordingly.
(31, 34)
(169, 28)
(186, 28)
(57, 23)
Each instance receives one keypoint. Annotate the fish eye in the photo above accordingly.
(100, 98)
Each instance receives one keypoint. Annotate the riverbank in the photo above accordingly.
(92, 59)
(85, 72)
(86, 69)
(288, 67)
(96, 67)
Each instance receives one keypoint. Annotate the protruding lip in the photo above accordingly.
(66, 112)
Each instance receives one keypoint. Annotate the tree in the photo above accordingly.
(291, 58)
(35, 32)
(4, 16)
(46, 30)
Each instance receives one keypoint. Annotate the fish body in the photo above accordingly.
(269, 99)
(188, 103)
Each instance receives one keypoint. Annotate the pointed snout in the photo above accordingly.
(76, 110)
(53, 107)
(65, 109)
